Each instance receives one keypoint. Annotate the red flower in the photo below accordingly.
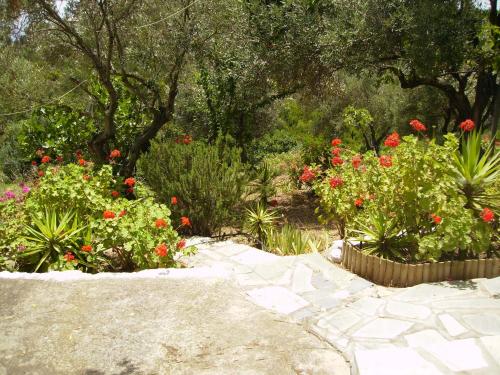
(160, 223)
(173, 200)
(122, 213)
(437, 219)
(161, 250)
(487, 215)
(307, 175)
(336, 151)
(45, 159)
(40, 173)
(34, 163)
(115, 194)
(467, 125)
(385, 161)
(336, 181)
(130, 191)
(69, 256)
(418, 126)
(82, 162)
(181, 244)
(86, 177)
(187, 139)
(337, 160)
(336, 142)
(358, 202)
(185, 222)
(108, 214)
(59, 158)
(356, 161)
(130, 182)
(115, 154)
(392, 140)
(87, 248)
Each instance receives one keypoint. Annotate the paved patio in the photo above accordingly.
(440, 328)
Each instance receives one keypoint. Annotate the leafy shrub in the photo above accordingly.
(277, 142)
(406, 204)
(72, 219)
(207, 181)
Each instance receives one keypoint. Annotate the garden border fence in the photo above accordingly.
(389, 273)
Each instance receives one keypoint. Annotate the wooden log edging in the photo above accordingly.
(389, 273)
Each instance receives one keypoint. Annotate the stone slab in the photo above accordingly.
(341, 320)
(485, 324)
(277, 299)
(424, 338)
(368, 305)
(491, 285)
(452, 326)
(393, 361)
(427, 292)
(254, 257)
(408, 310)
(467, 303)
(492, 345)
(383, 328)
(301, 279)
(459, 355)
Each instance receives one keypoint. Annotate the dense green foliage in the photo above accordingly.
(207, 181)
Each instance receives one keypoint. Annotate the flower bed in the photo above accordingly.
(388, 273)
(415, 201)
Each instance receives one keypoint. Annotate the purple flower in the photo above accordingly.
(9, 194)
(25, 189)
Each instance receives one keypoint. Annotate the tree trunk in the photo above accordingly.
(495, 116)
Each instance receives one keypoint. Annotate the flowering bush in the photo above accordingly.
(108, 230)
(408, 201)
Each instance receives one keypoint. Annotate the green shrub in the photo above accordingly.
(207, 180)
(277, 142)
(71, 220)
(406, 204)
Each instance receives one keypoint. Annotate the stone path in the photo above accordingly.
(440, 328)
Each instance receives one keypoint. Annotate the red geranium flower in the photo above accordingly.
(86, 177)
(46, 159)
(129, 191)
(336, 181)
(87, 248)
(108, 214)
(115, 154)
(69, 256)
(417, 126)
(336, 151)
(392, 140)
(59, 158)
(173, 200)
(358, 202)
(82, 162)
(161, 250)
(129, 181)
(160, 223)
(181, 244)
(40, 173)
(467, 125)
(115, 194)
(307, 174)
(385, 161)
(437, 219)
(356, 161)
(487, 215)
(187, 139)
(185, 222)
(337, 160)
(34, 163)
(122, 213)
(336, 142)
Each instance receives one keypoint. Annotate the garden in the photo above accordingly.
(146, 137)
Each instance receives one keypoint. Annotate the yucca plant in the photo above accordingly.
(476, 170)
(259, 222)
(263, 184)
(382, 236)
(52, 236)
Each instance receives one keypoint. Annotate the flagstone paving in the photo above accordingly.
(439, 328)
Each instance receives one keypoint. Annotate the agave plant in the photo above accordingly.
(382, 236)
(259, 222)
(292, 241)
(263, 185)
(476, 171)
(51, 236)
